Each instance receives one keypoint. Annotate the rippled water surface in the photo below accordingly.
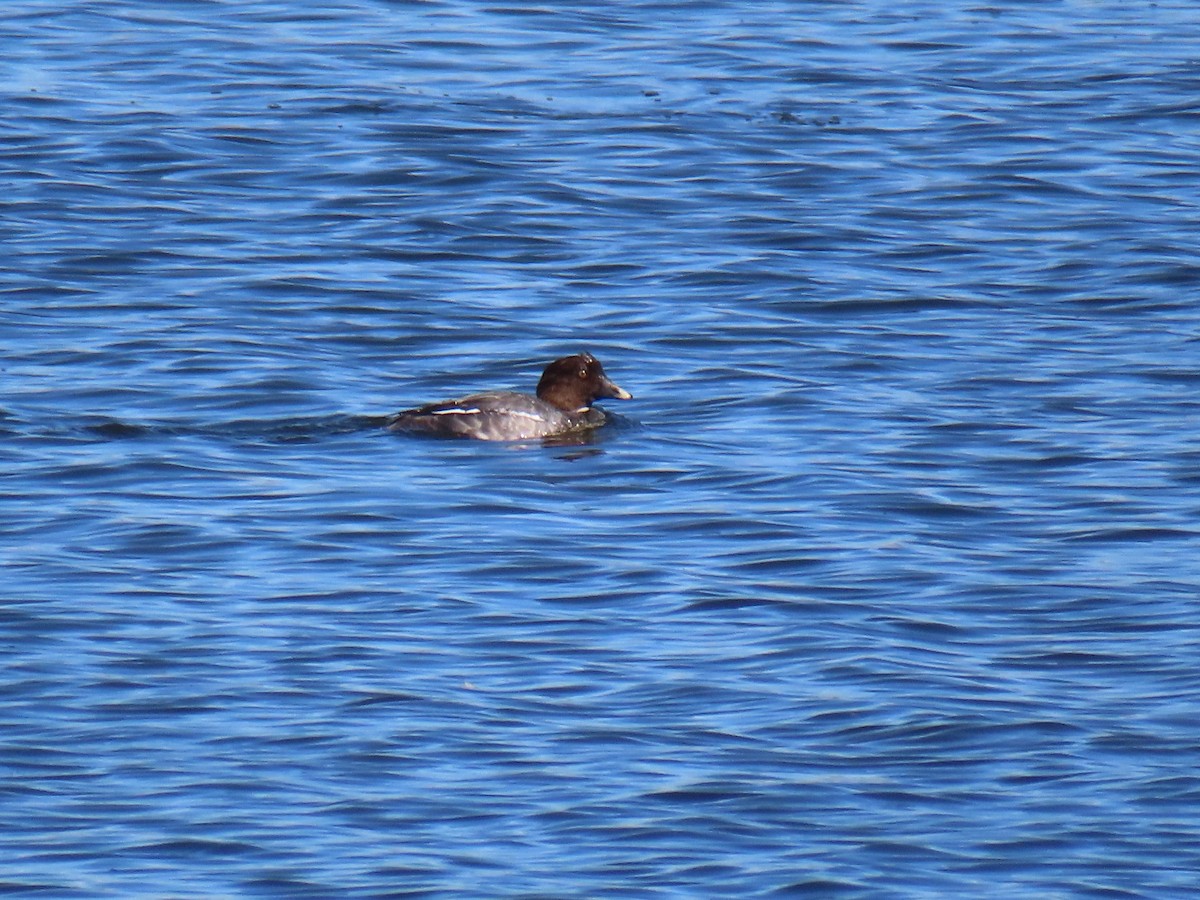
(885, 584)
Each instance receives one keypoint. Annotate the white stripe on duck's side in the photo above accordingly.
(472, 411)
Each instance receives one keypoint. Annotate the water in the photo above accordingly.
(885, 584)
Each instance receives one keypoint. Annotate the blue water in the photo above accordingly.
(885, 584)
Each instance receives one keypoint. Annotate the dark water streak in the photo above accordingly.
(885, 585)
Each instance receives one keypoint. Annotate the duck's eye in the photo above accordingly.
(583, 373)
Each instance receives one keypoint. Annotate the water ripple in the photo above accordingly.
(883, 586)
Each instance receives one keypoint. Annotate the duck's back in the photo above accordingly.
(491, 416)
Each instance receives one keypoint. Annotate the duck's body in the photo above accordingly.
(563, 405)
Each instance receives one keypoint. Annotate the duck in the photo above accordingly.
(562, 406)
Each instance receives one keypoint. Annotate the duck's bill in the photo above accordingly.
(612, 390)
